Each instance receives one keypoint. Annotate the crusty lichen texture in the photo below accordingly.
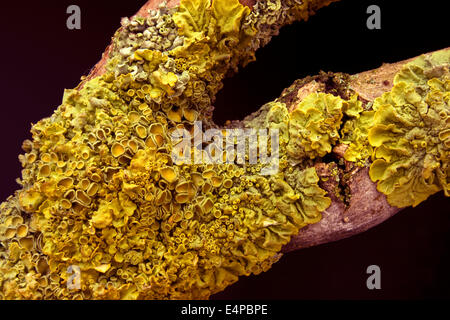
(411, 132)
(100, 191)
(314, 126)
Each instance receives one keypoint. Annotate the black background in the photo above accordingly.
(39, 57)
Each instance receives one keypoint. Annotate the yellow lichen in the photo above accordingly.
(355, 130)
(314, 125)
(101, 192)
(410, 133)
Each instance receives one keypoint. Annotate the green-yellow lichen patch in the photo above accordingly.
(411, 133)
(355, 130)
(314, 125)
(354, 133)
(101, 192)
(30, 200)
(103, 217)
(313, 200)
(212, 30)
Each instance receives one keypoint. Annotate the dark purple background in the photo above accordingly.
(40, 57)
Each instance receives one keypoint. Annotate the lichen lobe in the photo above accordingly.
(410, 133)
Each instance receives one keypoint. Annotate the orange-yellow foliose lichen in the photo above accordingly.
(100, 190)
(410, 132)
